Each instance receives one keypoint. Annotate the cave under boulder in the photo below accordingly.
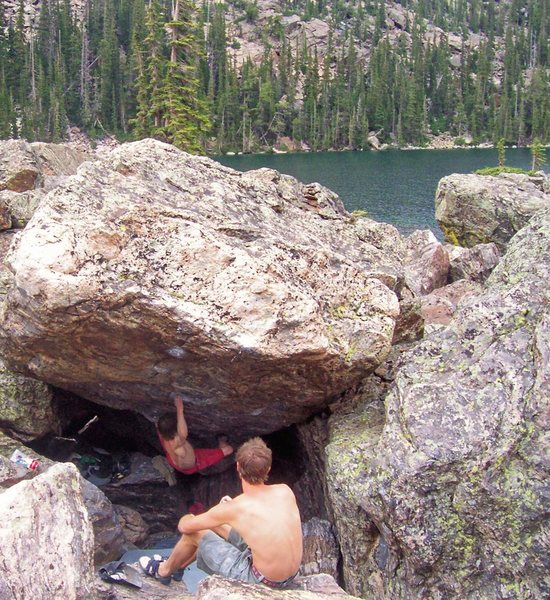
(151, 271)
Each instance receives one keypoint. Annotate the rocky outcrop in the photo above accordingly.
(256, 297)
(26, 405)
(474, 264)
(46, 538)
(479, 209)
(444, 491)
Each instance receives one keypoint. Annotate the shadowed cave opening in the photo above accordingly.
(91, 430)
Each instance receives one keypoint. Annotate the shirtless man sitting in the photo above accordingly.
(255, 537)
(172, 432)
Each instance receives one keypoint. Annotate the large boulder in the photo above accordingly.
(46, 538)
(479, 209)
(151, 271)
(452, 481)
(439, 307)
(58, 159)
(109, 535)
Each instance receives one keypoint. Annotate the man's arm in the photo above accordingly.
(221, 514)
(182, 424)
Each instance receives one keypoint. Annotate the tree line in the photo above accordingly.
(169, 69)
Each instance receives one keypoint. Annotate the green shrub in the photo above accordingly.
(494, 171)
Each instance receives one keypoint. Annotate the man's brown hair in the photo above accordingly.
(254, 461)
(167, 425)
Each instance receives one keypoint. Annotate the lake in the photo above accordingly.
(393, 186)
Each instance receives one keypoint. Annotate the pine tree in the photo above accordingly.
(184, 111)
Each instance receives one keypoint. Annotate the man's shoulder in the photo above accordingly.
(281, 489)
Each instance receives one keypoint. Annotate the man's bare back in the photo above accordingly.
(181, 452)
(269, 522)
(255, 537)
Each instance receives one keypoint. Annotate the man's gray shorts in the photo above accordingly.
(230, 558)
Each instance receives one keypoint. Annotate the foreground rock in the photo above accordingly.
(108, 540)
(478, 209)
(46, 538)
(315, 587)
(255, 296)
(445, 491)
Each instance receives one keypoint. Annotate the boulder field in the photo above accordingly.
(407, 379)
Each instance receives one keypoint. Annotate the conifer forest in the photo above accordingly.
(175, 70)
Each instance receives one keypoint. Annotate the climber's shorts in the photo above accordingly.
(231, 558)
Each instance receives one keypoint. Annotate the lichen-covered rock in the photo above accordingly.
(151, 271)
(321, 550)
(474, 264)
(19, 166)
(354, 435)
(453, 479)
(427, 263)
(5, 213)
(6, 278)
(479, 209)
(21, 205)
(46, 538)
(26, 405)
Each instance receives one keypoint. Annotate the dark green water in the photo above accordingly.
(395, 186)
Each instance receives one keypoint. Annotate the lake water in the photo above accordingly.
(394, 186)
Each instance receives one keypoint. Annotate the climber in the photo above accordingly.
(172, 432)
(255, 537)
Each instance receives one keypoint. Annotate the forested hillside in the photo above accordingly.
(246, 75)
